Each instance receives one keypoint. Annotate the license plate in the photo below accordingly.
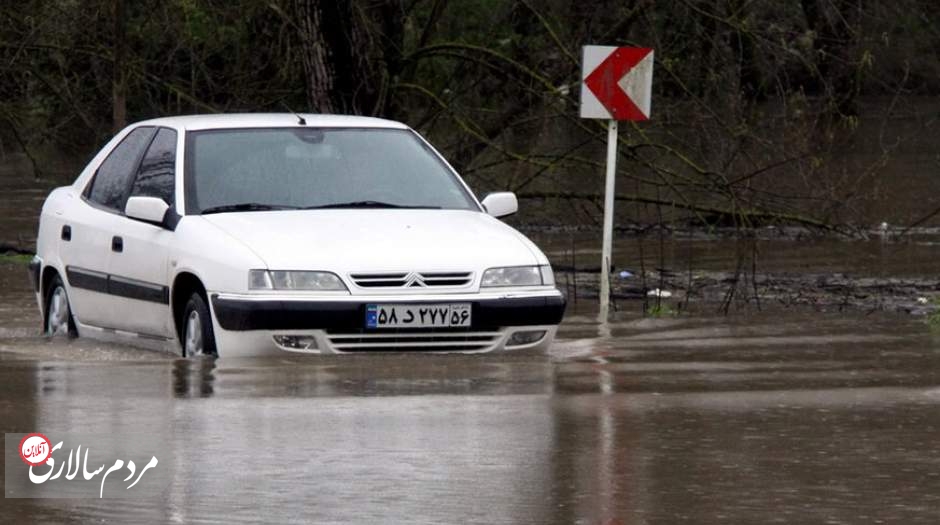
(417, 315)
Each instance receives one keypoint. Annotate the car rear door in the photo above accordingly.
(138, 270)
(86, 236)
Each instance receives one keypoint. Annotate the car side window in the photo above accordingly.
(110, 185)
(156, 176)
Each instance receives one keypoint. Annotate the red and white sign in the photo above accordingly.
(617, 82)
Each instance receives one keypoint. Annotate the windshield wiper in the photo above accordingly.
(245, 206)
(369, 204)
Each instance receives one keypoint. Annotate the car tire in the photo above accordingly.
(58, 319)
(197, 335)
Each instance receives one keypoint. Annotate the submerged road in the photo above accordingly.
(777, 417)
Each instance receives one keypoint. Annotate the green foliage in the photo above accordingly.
(15, 258)
(661, 309)
(933, 319)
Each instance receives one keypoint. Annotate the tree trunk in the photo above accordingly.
(319, 72)
(350, 53)
(119, 79)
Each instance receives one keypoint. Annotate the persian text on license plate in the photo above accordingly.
(417, 315)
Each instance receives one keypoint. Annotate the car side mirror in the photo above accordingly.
(501, 204)
(147, 209)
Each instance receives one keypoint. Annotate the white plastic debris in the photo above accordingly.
(922, 300)
(883, 230)
(656, 292)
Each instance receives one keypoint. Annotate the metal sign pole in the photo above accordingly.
(616, 84)
(608, 217)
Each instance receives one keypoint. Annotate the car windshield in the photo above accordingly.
(301, 168)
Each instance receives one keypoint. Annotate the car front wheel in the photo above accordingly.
(58, 311)
(198, 337)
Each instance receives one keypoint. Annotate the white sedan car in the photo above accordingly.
(251, 234)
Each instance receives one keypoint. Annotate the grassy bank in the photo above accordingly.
(15, 258)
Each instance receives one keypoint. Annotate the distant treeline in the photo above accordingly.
(758, 107)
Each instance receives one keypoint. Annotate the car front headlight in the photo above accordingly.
(295, 280)
(518, 276)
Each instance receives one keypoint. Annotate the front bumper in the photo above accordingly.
(248, 324)
(241, 314)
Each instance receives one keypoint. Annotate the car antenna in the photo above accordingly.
(300, 120)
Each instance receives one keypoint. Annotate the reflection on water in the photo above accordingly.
(193, 378)
(908, 257)
(762, 417)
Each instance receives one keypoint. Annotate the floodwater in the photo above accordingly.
(761, 417)
(779, 415)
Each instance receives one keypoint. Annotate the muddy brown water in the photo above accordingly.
(783, 415)
(786, 416)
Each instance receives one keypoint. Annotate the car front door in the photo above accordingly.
(86, 237)
(138, 270)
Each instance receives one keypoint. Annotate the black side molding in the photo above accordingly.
(133, 289)
(116, 285)
(87, 279)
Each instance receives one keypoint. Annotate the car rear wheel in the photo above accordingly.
(198, 336)
(59, 320)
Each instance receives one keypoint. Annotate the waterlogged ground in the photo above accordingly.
(889, 271)
(783, 415)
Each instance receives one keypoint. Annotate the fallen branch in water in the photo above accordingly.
(753, 214)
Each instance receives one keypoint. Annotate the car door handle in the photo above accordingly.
(117, 244)
(66, 233)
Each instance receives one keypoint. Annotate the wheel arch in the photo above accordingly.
(184, 285)
(49, 273)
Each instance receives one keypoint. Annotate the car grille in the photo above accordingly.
(411, 279)
(451, 340)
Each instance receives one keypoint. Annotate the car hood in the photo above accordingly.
(377, 240)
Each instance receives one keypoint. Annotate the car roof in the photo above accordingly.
(270, 120)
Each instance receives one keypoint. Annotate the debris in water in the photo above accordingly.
(883, 230)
